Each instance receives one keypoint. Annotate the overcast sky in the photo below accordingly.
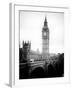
(31, 24)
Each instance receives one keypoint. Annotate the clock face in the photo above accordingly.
(44, 33)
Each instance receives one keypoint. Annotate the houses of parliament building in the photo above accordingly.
(31, 61)
(45, 45)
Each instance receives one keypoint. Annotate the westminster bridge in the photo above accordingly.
(41, 68)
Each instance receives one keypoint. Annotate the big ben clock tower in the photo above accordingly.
(45, 39)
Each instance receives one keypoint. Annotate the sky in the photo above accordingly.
(31, 24)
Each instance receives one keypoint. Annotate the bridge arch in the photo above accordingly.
(51, 71)
(37, 72)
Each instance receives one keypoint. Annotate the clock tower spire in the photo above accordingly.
(45, 39)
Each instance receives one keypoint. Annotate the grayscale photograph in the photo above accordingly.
(41, 44)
